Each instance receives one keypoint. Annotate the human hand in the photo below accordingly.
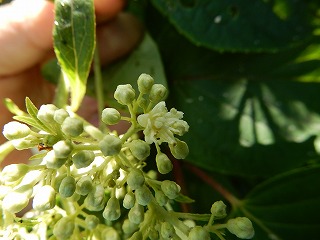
(26, 43)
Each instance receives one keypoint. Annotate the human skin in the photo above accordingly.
(26, 44)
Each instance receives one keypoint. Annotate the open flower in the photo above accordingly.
(160, 125)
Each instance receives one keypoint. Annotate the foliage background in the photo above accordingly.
(246, 75)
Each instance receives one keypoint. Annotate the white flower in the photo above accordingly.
(160, 125)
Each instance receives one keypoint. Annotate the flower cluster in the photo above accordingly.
(85, 183)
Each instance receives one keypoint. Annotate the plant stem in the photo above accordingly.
(98, 85)
(214, 184)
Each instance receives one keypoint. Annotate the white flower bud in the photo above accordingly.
(14, 172)
(72, 126)
(179, 149)
(129, 227)
(136, 214)
(145, 82)
(170, 189)
(164, 164)
(124, 94)
(91, 221)
(84, 185)
(83, 158)
(110, 233)
(241, 227)
(143, 195)
(46, 113)
(96, 199)
(167, 230)
(24, 143)
(198, 233)
(52, 161)
(129, 200)
(44, 199)
(67, 187)
(110, 116)
(64, 228)
(110, 145)
(62, 149)
(112, 211)
(60, 115)
(218, 210)
(15, 201)
(139, 149)
(158, 92)
(15, 130)
(161, 198)
(135, 179)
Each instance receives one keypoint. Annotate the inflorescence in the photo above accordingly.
(91, 184)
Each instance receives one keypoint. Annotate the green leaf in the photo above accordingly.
(241, 25)
(74, 43)
(286, 206)
(13, 108)
(184, 199)
(28, 120)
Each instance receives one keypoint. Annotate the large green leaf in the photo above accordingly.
(234, 25)
(74, 43)
(285, 206)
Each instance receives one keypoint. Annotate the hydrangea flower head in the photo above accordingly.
(161, 126)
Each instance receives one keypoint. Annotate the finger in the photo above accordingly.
(26, 31)
(118, 37)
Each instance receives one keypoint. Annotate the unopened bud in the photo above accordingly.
(67, 187)
(110, 145)
(62, 149)
(143, 195)
(199, 233)
(60, 115)
(164, 164)
(96, 199)
(145, 82)
(241, 227)
(167, 230)
(15, 130)
(112, 210)
(15, 201)
(161, 198)
(136, 214)
(64, 228)
(140, 149)
(218, 210)
(179, 149)
(46, 113)
(124, 94)
(129, 200)
(83, 158)
(72, 126)
(109, 233)
(52, 161)
(170, 189)
(135, 178)
(129, 227)
(157, 93)
(91, 221)
(45, 198)
(110, 116)
(14, 172)
(84, 185)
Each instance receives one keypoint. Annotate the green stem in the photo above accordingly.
(5, 149)
(98, 85)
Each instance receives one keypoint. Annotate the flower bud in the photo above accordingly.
(46, 113)
(179, 149)
(72, 126)
(45, 198)
(91, 221)
(60, 115)
(143, 195)
(24, 143)
(84, 185)
(167, 230)
(83, 158)
(15, 130)
(135, 179)
(64, 228)
(136, 214)
(153, 234)
(145, 82)
(67, 187)
(95, 199)
(110, 145)
(52, 161)
(128, 227)
(109, 233)
(218, 210)
(157, 93)
(15, 201)
(14, 172)
(164, 164)
(198, 233)
(129, 200)
(57, 181)
(170, 189)
(241, 227)
(124, 94)
(112, 210)
(110, 116)
(140, 149)
(161, 198)
(62, 149)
